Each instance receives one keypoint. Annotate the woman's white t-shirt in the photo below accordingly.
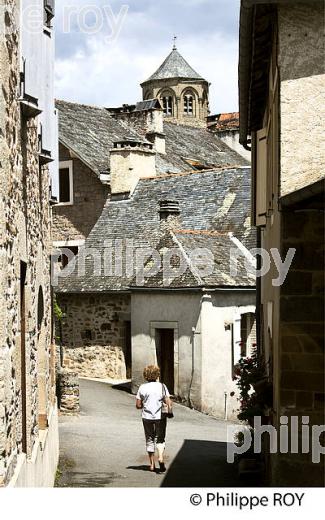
(151, 395)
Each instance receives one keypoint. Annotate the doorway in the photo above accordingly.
(165, 356)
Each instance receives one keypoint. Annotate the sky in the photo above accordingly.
(106, 48)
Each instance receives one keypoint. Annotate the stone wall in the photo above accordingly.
(89, 195)
(69, 391)
(24, 241)
(301, 69)
(176, 88)
(93, 334)
(302, 338)
(128, 164)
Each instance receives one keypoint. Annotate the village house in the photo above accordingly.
(28, 144)
(281, 78)
(135, 178)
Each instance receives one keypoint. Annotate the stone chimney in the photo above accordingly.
(146, 117)
(130, 159)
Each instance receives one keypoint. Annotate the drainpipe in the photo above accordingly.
(226, 407)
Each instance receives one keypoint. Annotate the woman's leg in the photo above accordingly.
(161, 435)
(149, 431)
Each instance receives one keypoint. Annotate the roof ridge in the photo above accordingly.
(205, 232)
(217, 169)
(82, 105)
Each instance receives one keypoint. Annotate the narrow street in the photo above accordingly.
(104, 446)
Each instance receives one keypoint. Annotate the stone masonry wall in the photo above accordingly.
(76, 221)
(24, 237)
(302, 336)
(155, 89)
(93, 334)
(301, 69)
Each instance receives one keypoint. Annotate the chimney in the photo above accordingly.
(146, 117)
(130, 159)
(158, 140)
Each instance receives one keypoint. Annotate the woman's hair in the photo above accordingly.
(151, 373)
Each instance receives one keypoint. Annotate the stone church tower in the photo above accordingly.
(183, 93)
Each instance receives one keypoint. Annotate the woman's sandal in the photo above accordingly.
(152, 469)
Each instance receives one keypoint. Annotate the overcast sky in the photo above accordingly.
(105, 48)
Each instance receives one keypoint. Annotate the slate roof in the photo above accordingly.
(212, 204)
(174, 66)
(91, 131)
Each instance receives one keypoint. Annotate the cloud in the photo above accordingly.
(92, 69)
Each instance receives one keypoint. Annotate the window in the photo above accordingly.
(66, 183)
(188, 104)
(49, 9)
(40, 309)
(168, 105)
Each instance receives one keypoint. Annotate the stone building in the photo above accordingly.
(182, 92)
(282, 116)
(28, 142)
(142, 182)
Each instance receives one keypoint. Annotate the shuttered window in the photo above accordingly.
(261, 177)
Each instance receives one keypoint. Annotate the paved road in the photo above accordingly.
(104, 446)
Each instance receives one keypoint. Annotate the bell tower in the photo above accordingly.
(182, 92)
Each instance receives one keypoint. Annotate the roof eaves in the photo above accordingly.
(77, 154)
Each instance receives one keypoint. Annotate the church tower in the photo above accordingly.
(182, 92)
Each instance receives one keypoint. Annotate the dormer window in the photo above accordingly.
(188, 104)
(168, 105)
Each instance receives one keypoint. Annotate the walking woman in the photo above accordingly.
(154, 400)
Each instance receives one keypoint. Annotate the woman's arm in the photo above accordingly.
(138, 404)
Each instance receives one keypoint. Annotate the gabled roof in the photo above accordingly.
(211, 205)
(91, 131)
(174, 66)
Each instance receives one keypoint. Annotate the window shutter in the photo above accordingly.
(261, 177)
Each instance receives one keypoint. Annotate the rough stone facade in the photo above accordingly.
(94, 334)
(301, 68)
(288, 173)
(89, 195)
(27, 382)
(302, 384)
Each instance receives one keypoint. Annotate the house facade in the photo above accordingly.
(281, 114)
(28, 144)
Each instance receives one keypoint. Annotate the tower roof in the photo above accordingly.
(175, 66)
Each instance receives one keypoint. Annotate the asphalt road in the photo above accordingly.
(104, 445)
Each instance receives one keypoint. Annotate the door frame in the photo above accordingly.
(166, 325)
